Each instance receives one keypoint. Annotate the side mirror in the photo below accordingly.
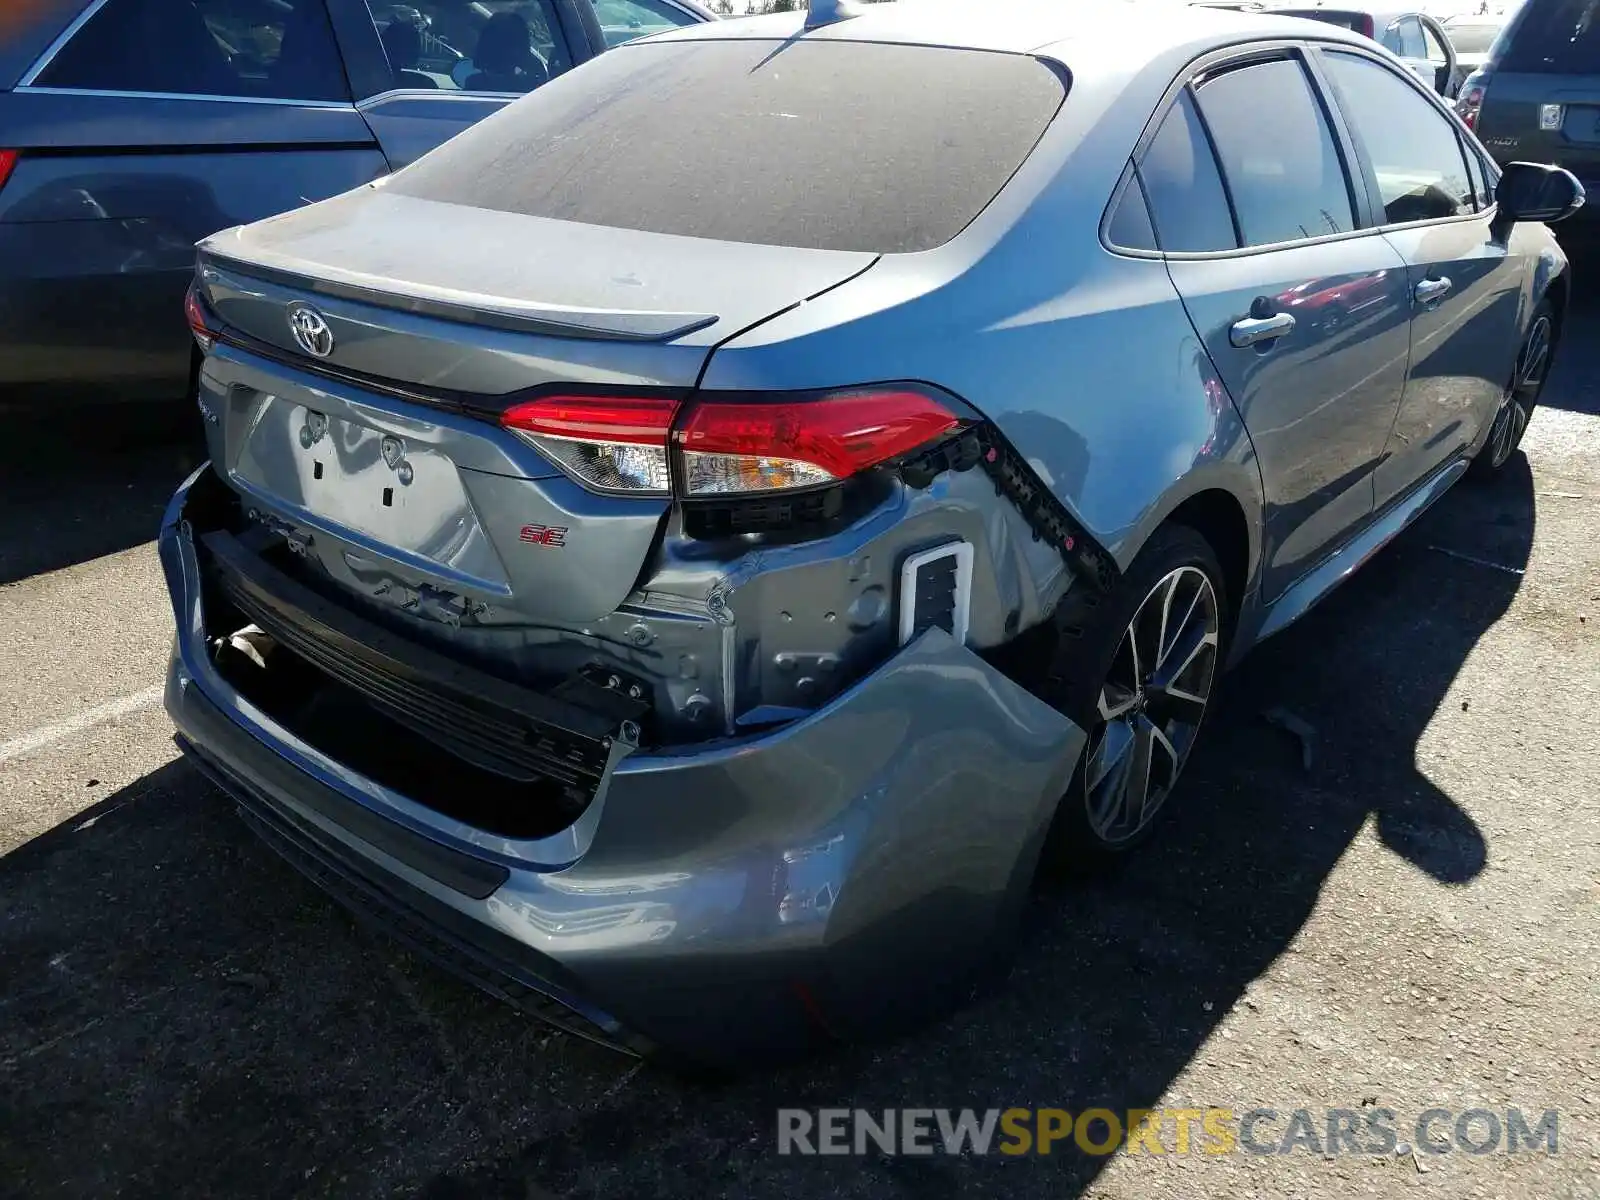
(1535, 192)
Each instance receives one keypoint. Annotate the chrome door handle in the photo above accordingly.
(1430, 290)
(1247, 331)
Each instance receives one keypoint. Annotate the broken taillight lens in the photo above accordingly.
(613, 443)
(744, 447)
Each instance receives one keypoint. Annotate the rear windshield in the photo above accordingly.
(1472, 39)
(1354, 22)
(831, 145)
(1553, 36)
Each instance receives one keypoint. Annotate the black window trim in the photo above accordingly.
(1217, 62)
(365, 63)
(1479, 177)
(1132, 171)
(1463, 146)
(1193, 92)
(1128, 181)
(27, 82)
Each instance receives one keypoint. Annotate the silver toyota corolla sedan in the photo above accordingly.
(688, 549)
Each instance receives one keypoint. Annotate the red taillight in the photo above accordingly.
(1365, 26)
(199, 317)
(639, 421)
(757, 447)
(729, 447)
(618, 443)
(8, 163)
(1469, 103)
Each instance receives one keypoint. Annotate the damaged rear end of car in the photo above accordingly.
(667, 680)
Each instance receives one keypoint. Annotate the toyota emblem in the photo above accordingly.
(310, 329)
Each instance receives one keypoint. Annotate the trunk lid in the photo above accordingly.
(481, 270)
(380, 455)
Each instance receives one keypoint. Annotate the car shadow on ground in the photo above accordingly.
(82, 482)
(204, 1022)
(1124, 979)
(1574, 384)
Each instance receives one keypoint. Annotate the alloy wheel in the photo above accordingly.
(1526, 382)
(1151, 704)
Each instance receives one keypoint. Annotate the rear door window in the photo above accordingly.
(1413, 148)
(1187, 201)
(1412, 44)
(1277, 153)
(498, 46)
(1472, 39)
(821, 143)
(623, 20)
(266, 49)
(1553, 37)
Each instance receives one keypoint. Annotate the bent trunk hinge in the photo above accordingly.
(1014, 479)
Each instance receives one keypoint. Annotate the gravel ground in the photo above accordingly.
(1409, 923)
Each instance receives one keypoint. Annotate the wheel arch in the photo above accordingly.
(1558, 288)
(1216, 515)
(1223, 503)
(1552, 280)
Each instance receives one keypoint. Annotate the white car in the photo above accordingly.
(1419, 40)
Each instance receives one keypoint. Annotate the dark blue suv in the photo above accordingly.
(1536, 97)
(130, 129)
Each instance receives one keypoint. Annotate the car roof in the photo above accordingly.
(1078, 33)
(1380, 16)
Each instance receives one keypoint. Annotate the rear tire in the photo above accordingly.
(1135, 669)
(1521, 395)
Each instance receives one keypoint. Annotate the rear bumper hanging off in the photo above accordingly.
(722, 902)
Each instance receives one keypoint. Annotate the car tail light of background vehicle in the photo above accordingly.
(1470, 101)
(8, 163)
(730, 447)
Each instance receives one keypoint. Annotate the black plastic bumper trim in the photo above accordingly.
(477, 954)
(554, 736)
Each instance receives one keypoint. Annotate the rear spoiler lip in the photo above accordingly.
(466, 308)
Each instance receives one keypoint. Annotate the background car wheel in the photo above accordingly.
(1522, 394)
(1136, 669)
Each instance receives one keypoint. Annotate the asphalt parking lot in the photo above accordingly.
(1410, 921)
